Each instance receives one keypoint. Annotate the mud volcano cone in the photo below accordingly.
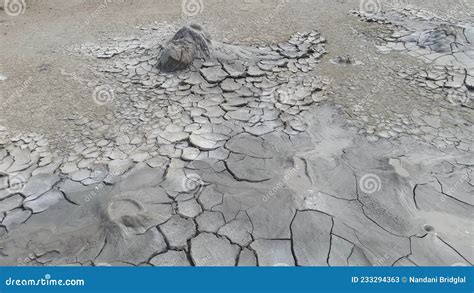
(188, 43)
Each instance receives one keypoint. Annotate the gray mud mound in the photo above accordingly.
(446, 44)
(189, 43)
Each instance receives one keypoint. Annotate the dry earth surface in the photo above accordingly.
(316, 133)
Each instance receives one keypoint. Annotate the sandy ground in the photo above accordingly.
(33, 44)
(36, 39)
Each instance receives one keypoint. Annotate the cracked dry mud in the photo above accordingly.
(245, 157)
